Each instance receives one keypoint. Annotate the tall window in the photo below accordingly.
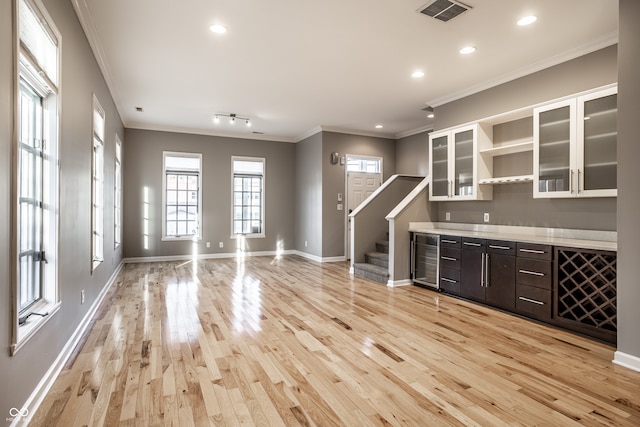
(117, 196)
(36, 171)
(248, 196)
(181, 195)
(97, 190)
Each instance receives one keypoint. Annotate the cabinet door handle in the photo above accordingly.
(482, 270)
(505, 248)
(486, 270)
(444, 279)
(449, 241)
(571, 181)
(533, 301)
(532, 251)
(578, 181)
(471, 244)
(532, 273)
(447, 258)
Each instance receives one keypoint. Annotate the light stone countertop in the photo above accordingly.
(586, 239)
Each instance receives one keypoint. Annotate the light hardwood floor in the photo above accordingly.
(291, 342)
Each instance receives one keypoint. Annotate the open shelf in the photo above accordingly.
(519, 147)
(507, 180)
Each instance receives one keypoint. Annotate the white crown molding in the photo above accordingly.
(309, 133)
(416, 131)
(601, 43)
(173, 129)
(84, 16)
(356, 132)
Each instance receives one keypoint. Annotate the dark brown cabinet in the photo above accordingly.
(488, 272)
(450, 264)
(534, 279)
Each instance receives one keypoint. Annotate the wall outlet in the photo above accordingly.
(305, 244)
(339, 206)
(221, 244)
(82, 296)
(208, 244)
(486, 217)
(447, 216)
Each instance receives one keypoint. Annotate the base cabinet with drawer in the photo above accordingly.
(571, 288)
(534, 280)
(450, 264)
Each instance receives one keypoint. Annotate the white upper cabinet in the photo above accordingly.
(575, 147)
(456, 166)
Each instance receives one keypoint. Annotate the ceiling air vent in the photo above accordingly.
(444, 10)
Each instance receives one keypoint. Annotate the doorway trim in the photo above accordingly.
(347, 255)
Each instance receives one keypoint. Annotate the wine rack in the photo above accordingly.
(585, 292)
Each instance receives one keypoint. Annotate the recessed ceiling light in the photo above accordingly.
(218, 29)
(467, 50)
(527, 20)
(430, 116)
(379, 126)
(417, 74)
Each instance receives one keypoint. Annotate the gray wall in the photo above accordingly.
(586, 72)
(20, 374)
(513, 204)
(143, 168)
(309, 195)
(412, 155)
(628, 194)
(333, 181)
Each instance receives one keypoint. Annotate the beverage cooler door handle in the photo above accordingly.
(413, 260)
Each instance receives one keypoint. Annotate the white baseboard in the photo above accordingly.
(205, 256)
(45, 384)
(320, 259)
(396, 283)
(627, 360)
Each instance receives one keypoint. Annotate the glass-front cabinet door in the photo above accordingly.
(597, 156)
(554, 135)
(463, 173)
(439, 148)
(575, 143)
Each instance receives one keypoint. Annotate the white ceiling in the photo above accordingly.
(293, 66)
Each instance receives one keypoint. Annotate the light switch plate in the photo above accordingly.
(447, 216)
(340, 206)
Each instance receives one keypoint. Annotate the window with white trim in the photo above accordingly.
(248, 196)
(181, 196)
(97, 187)
(36, 179)
(117, 196)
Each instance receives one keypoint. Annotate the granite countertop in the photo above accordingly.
(586, 239)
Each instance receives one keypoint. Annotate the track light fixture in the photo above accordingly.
(232, 118)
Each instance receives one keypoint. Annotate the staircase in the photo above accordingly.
(376, 265)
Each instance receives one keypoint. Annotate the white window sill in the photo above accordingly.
(249, 236)
(181, 238)
(33, 324)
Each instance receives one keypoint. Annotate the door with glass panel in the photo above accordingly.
(597, 155)
(463, 173)
(440, 182)
(554, 133)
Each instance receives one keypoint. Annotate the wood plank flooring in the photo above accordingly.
(288, 342)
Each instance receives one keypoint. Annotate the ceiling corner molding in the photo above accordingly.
(600, 43)
(356, 132)
(89, 28)
(412, 132)
(171, 129)
(309, 133)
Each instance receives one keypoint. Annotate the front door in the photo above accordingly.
(360, 185)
